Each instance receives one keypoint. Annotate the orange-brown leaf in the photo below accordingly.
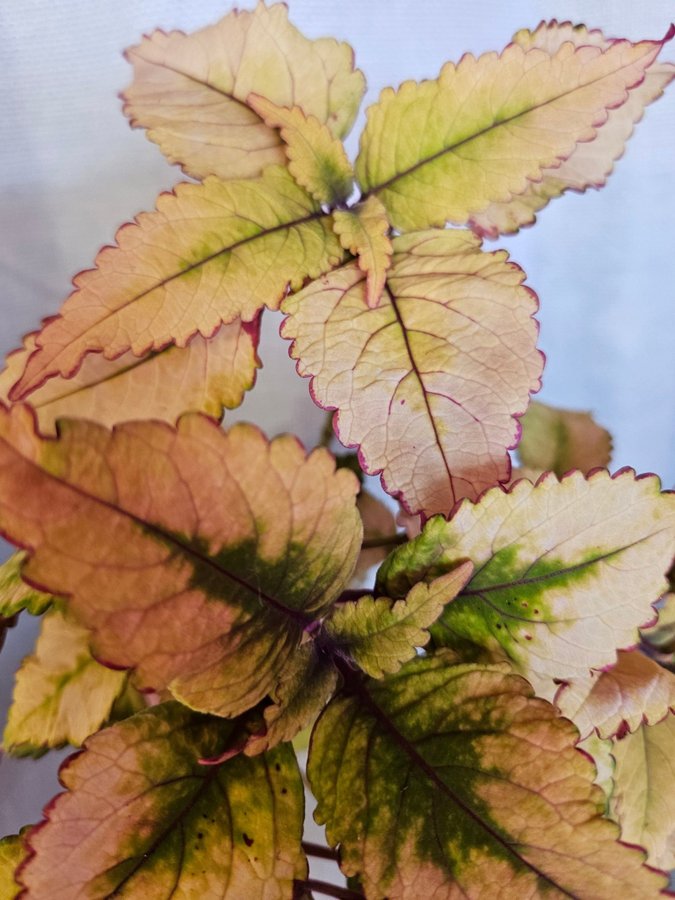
(195, 556)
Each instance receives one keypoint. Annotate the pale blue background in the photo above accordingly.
(71, 171)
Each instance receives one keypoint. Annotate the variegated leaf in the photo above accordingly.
(634, 691)
(191, 91)
(211, 253)
(196, 557)
(61, 695)
(565, 572)
(558, 440)
(364, 231)
(591, 162)
(427, 384)
(12, 854)
(304, 688)
(444, 150)
(381, 634)
(316, 159)
(643, 801)
(143, 818)
(205, 376)
(15, 594)
(452, 781)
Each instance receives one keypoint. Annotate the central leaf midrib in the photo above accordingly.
(167, 537)
(408, 748)
(376, 189)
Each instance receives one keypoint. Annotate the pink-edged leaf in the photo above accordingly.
(191, 91)
(317, 160)
(428, 383)
(566, 572)
(635, 691)
(142, 817)
(364, 231)
(210, 253)
(207, 375)
(591, 162)
(196, 557)
(444, 150)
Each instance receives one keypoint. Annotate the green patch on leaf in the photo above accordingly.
(450, 778)
(143, 817)
(12, 854)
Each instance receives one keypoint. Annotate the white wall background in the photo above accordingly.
(71, 171)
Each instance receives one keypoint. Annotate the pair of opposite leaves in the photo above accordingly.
(126, 523)
(425, 344)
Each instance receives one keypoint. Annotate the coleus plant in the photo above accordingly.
(196, 583)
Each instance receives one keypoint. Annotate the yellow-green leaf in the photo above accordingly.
(558, 440)
(591, 162)
(61, 694)
(191, 91)
(444, 150)
(364, 231)
(451, 781)
(304, 688)
(634, 691)
(643, 801)
(143, 818)
(429, 382)
(211, 253)
(600, 752)
(565, 571)
(381, 634)
(12, 854)
(316, 159)
(197, 557)
(205, 376)
(15, 594)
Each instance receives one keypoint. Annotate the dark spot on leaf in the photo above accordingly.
(284, 791)
(499, 625)
(528, 637)
(247, 840)
(277, 767)
(200, 835)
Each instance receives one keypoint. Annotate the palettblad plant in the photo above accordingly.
(456, 710)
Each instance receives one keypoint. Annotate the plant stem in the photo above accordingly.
(327, 432)
(391, 540)
(330, 890)
(319, 850)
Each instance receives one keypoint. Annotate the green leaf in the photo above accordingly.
(196, 557)
(210, 253)
(142, 817)
(316, 159)
(444, 150)
(380, 634)
(565, 571)
(192, 91)
(428, 384)
(558, 440)
(61, 695)
(15, 594)
(452, 780)
(12, 854)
